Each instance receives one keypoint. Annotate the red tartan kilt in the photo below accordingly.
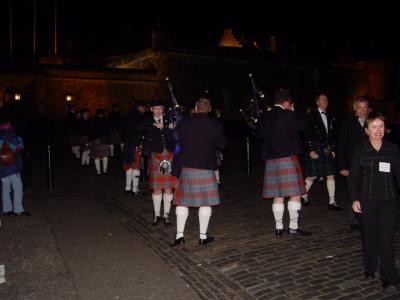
(156, 179)
(137, 164)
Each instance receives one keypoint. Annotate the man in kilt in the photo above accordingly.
(159, 144)
(132, 152)
(319, 159)
(280, 129)
(200, 136)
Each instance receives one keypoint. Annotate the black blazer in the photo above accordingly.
(155, 140)
(280, 129)
(316, 133)
(351, 135)
(200, 137)
(367, 183)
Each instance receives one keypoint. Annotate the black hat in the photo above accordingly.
(156, 102)
(281, 94)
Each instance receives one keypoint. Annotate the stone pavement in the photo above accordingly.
(245, 261)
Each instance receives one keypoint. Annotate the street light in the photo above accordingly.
(17, 97)
(68, 97)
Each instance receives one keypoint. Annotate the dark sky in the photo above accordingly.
(324, 30)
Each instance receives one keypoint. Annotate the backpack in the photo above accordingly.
(7, 156)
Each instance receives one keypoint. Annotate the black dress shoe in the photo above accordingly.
(9, 213)
(166, 221)
(307, 203)
(23, 214)
(298, 232)
(389, 287)
(206, 241)
(279, 232)
(334, 206)
(156, 221)
(178, 242)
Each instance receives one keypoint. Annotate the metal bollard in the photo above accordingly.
(248, 159)
(50, 170)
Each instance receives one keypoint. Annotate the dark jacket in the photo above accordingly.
(200, 137)
(8, 135)
(280, 129)
(351, 135)
(316, 132)
(155, 140)
(369, 184)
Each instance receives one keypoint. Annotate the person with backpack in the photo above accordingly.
(10, 169)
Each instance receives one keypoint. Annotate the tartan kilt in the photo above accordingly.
(98, 149)
(197, 188)
(114, 137)
(137, 164)
(324, 165)
(283, 178)
(156, 179)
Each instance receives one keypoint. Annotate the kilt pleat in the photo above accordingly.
(137, 164)
(98, 149)
(156, 179)
(197, 188)
(324, 165)
(283, 178)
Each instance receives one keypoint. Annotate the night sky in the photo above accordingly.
(85, 27)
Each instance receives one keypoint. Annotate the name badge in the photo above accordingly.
(384, 167)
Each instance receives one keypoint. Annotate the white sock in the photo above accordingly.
(204, 219)
(87, 160)
(182, 214)
(330, 184)
(136, 177)
(167, 198)
(105, 164)
(111, 150)
(97, 165)
(294, 210)
(129, 178)
(217, 175)
(277, 210)
(77, 151)
(122, 146)
(83, 158)
(157, 204)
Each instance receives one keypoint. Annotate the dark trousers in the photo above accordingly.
(378, 222)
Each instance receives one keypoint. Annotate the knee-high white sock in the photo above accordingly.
(97, 165)
(105, 164)
(330, 184)
(157, 204)
(309, 182)
(294, 210)
(111, 150)
(167, 198)
(277, 210)
(122, 146)
(136, 177)
(204, 219)
(83, 158)
(77, 151)
(129, 178)
(217, 175)
(182, 214)
(87, 157)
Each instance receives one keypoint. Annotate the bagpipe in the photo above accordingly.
(253, 112)
(175, 115)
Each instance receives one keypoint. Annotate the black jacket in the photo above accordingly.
(351, 135)
(200, 137)
(369, 184)
(316, 132)
(280, 129)
(155, 140)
